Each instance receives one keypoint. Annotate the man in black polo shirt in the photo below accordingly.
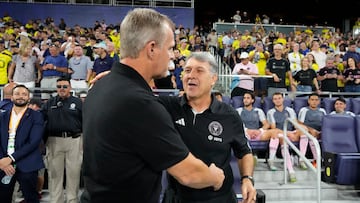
(131, 139)
(211, 130)
(63, 115)
(329, 75)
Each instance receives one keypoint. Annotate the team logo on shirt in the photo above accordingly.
(215, 129)
(72, 106)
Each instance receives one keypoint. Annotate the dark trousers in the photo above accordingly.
(229, 197)
(27, 182)
(238, 91)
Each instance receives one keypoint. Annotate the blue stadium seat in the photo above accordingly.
(299, 102)
(342, 157)
(226, 99)
(268, 104)
(355, 105)
(237, 102)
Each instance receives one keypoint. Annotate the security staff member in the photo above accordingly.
(63, 114)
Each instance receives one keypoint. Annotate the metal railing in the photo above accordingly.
(316, 170)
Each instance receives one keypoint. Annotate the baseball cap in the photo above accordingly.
(101, 45)
(244, 55)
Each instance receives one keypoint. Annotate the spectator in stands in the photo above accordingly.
(276, 117)
(62, 24)
(303, 49)
(279, 68)
(311, 116)
(63, 116)
(351, 53)
(164, 150)
(81, 68)
(54, 66)
(5, 58)
(329, 75)
(320, 57)
(312, 62)
(351, 76)
(200, 75)
(183, 48)
(20, 158)
(294, 58)
(259, 56)
(245, 18)
(305, 79)
(68, 45)
(257, 127)
(212, 41)
(340, 106)
(87, 45)
(245, 70)
(237, 17)
(25, 68)
(104, 62)
(112, 52)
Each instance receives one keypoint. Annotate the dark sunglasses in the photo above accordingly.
(62, 86)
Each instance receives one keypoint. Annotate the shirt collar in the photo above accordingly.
(214, 105)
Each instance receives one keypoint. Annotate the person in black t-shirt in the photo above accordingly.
(329, 75)
(305, 79)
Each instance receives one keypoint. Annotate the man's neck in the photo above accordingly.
(279, 108)
(19, 109)
(248, 107)
(199, 104)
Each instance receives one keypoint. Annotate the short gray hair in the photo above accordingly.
(140, 26)
(204, 56)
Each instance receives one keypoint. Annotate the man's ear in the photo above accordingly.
(150, 47)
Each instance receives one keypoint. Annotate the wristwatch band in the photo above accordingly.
(248, 177)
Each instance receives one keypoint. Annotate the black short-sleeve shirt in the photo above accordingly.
(329, 84)
(129, 139)
(210, 136)
(280, 67)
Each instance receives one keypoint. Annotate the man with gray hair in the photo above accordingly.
(278, 67)
(133, 139)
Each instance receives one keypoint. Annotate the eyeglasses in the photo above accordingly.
(23, 65)
(62, 86)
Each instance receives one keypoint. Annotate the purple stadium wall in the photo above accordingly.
(86, 15)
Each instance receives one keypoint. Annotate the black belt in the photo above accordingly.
(66, 134)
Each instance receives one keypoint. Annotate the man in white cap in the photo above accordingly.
(104, 61)
(245, 71)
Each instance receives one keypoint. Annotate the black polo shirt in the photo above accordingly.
(210, 136)
(129, 138)
(63, 115)
(280, 67)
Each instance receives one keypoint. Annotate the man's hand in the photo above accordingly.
(276, 78)
(9, 170)
(218, 173)
(98, 77)
(248, 191)
(5, 162)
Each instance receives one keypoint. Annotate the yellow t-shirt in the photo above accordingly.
(259, 61)
(341, 68)
(5, 59)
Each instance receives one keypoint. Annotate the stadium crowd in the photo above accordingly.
(40, 52)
